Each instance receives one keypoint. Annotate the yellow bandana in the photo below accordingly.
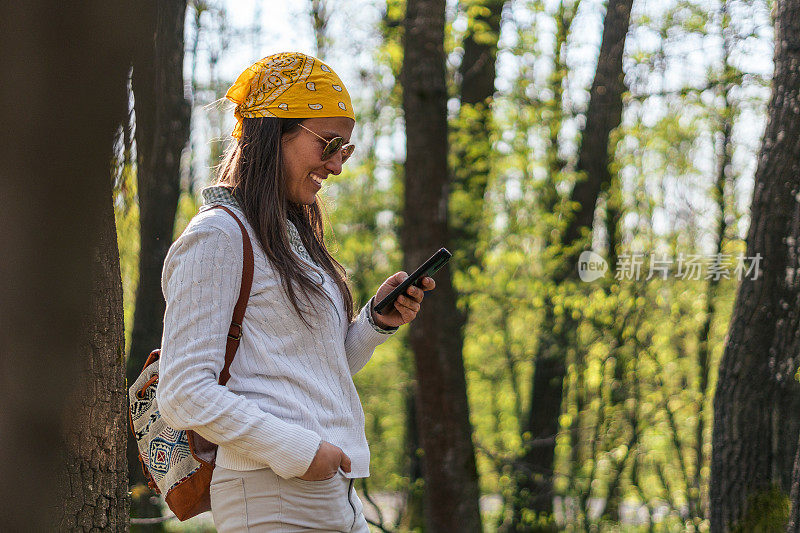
(288, 85)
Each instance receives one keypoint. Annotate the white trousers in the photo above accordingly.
(261, 501)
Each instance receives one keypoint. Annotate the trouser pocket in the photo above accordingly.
(316, 504)
(228, 504)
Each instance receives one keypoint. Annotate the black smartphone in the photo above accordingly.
(428, 268)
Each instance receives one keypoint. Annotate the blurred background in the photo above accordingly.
(616, 431)
(584, 364)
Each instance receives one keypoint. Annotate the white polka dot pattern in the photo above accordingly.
(288, 85)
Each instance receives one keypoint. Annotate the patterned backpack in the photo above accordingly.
(179, 463)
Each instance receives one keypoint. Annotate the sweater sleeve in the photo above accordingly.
(201, 279)
(363, 336)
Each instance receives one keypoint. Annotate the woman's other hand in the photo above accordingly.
(407, 305)
(327, 461)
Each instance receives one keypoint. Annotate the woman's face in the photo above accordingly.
(303, 167)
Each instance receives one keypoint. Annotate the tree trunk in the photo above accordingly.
(603, 114)
(697, 497)
(523, 497)
(553, 109)
(794, 497)
(413, 513)
(319, 21)
(61, 104)
(755, 406)
(162, 130)
(477, 69)
(472, 136)
(96, 425)
(451, 479)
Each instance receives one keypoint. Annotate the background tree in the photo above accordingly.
(472, 132)
(319, 21)
(794, 496)
(721, 192)
(632, 393)
(756, 401)
(162, 131)
(451, 479)
(97, 424)
(62, 443)
(603, 114)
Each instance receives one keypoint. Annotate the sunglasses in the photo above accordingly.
(332, 146)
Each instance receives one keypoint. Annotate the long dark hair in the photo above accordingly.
(252, 168)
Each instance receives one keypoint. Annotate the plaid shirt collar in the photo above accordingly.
(219, 195)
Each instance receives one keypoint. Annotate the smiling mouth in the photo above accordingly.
(316, 179)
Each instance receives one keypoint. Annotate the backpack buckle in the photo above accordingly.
(235, 335)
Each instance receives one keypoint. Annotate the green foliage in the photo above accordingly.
(391, 50)
(632, 402)
(188, 205)
(126, 213)
(382, 385)
(766, 512)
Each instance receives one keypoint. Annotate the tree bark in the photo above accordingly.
(96, 425)
(413, 514)
(794, 496)
(756, 402)
(477, 69)
(162, 131)
(603, 115)
(793, 524)
(451, 480)
(62, 99)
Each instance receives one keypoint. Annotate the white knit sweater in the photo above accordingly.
(290, 386)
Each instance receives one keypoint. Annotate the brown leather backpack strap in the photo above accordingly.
(235, 331)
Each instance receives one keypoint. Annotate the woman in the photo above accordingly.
(289, 423)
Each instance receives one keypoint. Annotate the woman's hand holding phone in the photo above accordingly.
(407, 305)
